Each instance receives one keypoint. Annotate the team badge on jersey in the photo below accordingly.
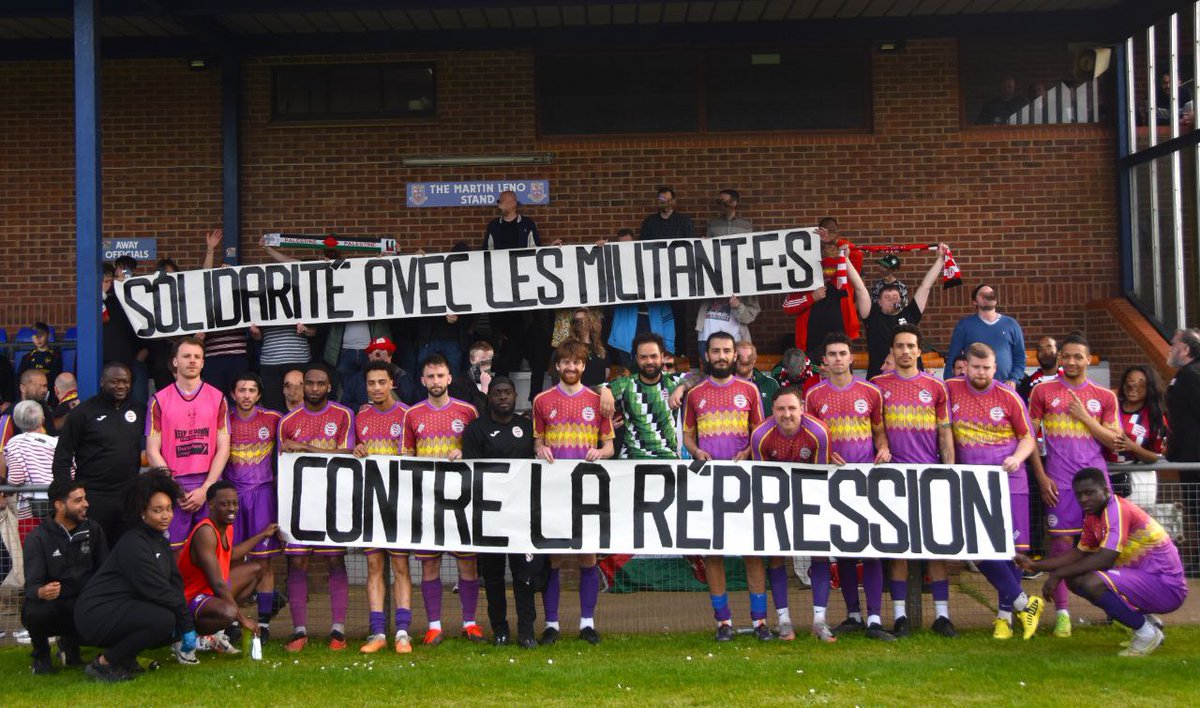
(588, 413)
(740, 401)
(130, 417)
(263, 433)
(457, 426)
(996, 413)
(860, 405)
(395, 430)
(805, 453)
(1093, 406)
(517, 432)
(925, 396)
(331, 429)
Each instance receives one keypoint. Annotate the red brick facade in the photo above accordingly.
(1031, 209)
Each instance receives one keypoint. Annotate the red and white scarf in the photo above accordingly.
(951, 275)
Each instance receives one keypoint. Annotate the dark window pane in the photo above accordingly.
(1031, 82)
(350, 91)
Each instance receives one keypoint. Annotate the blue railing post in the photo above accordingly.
(88, 197)
(231, 162)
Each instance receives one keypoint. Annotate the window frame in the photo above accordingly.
(365, 117)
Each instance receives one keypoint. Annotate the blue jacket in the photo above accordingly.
(1004, 337)
(624, 325)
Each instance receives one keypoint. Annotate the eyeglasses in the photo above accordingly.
(722, 202)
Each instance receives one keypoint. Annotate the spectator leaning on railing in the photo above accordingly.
(29, 457)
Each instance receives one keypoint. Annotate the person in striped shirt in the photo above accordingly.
(853, 410)
(434, 428)
(30, 460)
(380, 430)
(721, 413)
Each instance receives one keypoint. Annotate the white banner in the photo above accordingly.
(646, 507)
(358, 289)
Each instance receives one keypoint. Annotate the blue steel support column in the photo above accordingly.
(87, 193)
(231, 161)
(1124, 209)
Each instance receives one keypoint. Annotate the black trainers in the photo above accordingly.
(902, 627)
(42, 666)
(527, 642)
(849, 626)
(590, 635)
(724, 632)
(549, 636)
(133, 668)
(264, 632)
(501, 640)
(105, 672)
(944, 627)
(762, 632)
(877, 632)
(68, 652)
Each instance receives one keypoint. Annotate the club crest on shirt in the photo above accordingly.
(925, 396)
(860, 406)
(331, 429)
(457, 425)
(740, 401)
(395, 430)
(263, 433)
(130, 417)
(1093, 406)
(996, 413)
(588, 413)
(1052, 520)
(805, 453)
(1139, 431)
(517, 432)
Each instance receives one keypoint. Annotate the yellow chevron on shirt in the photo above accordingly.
(438, 446)
(900, 417)
(251, 453)
(723, 423)
(843, 429)
(571, 435)
(1063, 425)
(382, 447)
(324, 443)
(971, 433)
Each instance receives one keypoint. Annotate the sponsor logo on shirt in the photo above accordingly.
(421, 428)
(702, 402)
(824, 408)
(955, 408)
(100, 418)
(553, 413)
(1054, 403)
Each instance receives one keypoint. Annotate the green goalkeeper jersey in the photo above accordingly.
(651, 430)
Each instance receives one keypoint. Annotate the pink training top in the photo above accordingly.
(1139, 540)
(331, 428)
(187, 426)
(851, 414)
(252, 448)
(1069, 445)
(913, 410)
(381, 431)
(810, 444)
(570, 424)
(988, 425)
(723, 416)
(435, 432)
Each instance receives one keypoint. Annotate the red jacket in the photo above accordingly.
(799, 304)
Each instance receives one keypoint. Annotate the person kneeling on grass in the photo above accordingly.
(1125, 562)
(213, 587)
(135, 601)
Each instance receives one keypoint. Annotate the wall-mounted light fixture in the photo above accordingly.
(528, 158)
(890, 46)
(197, 64)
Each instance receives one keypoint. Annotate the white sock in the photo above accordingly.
(468, 624)
(300, 629)
(338, 628)
(1064, 613)
(898, 609)
(1145, 631)
(856, 615)
(942, 608)
(785, 617)
(585, 622)
(818, 615)
(1021, 602)
(436, 624)
(1005, 615)
(874, 619)
(552, 625)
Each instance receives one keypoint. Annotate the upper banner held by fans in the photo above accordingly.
(358, 289)
(662, 506)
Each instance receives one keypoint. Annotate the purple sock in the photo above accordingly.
(777, 577)
(339, 594)
(266, 603)
(1118, 610)
(589, 591)
(848, 576)
(873, 585)
(468, 596)
(431, 592)
(999, 574)
(1061, 546)
(550, 596)
(403, 618)
(377, 622)
(898, 589)
(940, 589)
(818, 575)
(297, 584)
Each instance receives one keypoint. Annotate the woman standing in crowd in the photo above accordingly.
(586, 325)
(1142, 416)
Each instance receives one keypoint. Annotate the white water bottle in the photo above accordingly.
(256, 648)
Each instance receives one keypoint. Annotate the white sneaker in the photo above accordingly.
(1142, 647)
(187, 658)
(22, 637)
(220, 643)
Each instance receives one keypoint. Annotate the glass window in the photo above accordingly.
(353, 91)
(1031, 82)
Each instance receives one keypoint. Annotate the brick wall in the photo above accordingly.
(1031, 210)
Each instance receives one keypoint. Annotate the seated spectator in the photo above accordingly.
(29, 457)
(731, 315)
(1142, 416)
(61, 555)
(135, 601)
(42, 357)
(747, 357)
(66, 391)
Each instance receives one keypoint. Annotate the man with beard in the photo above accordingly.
(102, 440)
(568, 425)
(889, 311)
(999, 332)
(1078, 420)
(320, 425)
(721, 413)
(991, 427)
(641, 399)
(187, 432)
(789, 435)
(434, 428)
(1047, 358)
(501, 435)
(380, 430)
(853, 410)
(251, 470)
